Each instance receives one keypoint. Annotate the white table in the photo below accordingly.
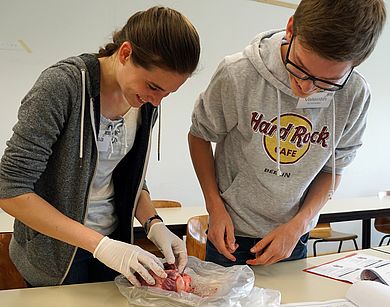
(355, 204)
(171, 216)
(177, 216)
(383, 249)
(6, 222)
(287, 277)
(296, 285)
(360, 208)
(83, 295)
(335, 210)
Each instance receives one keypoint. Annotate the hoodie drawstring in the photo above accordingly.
(333, 187)
(124, 149)
(278, 171)
(159, 133)
(83, 85)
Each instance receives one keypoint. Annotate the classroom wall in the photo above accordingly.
(54, 30)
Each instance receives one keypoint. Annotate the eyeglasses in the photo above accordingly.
(298, 72)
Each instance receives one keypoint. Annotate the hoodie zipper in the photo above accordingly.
(142, 180)
(83, 82)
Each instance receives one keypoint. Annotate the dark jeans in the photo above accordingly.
(85, 269)
(243, 254)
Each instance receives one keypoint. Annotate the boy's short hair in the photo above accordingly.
(340, 30)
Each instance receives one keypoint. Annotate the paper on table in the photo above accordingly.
(380, 274)
(332, 303)
(362, 293)
(349, 268)
(366, 293)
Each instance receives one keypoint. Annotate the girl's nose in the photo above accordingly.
(156, 101)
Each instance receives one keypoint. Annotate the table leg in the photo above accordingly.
(366, 233)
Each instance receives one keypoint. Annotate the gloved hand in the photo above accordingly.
(127, 258)
(169, 244)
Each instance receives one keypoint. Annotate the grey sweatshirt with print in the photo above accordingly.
(239, 111)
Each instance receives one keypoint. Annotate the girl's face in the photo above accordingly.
(139, 85)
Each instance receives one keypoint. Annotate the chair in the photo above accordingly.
(382, 224)
(10, 278)
(323, 232)
(196, 236)
(145, 243)
(159, 203)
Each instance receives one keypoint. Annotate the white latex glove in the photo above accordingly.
(127, 258)
(169, 244)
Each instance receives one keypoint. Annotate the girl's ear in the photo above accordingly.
(124, 52)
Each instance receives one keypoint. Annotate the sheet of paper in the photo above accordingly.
(332, 303)
(362, 293)
(366, 293)
(350, 267)
(380, 274)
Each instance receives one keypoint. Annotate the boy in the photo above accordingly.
(287, 115)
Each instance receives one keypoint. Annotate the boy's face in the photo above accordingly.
(319, 73)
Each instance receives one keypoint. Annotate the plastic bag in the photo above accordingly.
(213, 285)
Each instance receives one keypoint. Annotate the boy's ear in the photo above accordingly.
(289, 28)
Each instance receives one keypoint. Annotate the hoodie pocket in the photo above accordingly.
(49, 255)
(251, 200)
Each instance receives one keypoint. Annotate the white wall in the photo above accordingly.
(58, 29)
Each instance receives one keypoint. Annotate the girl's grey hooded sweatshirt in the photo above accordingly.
(53, 153)
(246, 101)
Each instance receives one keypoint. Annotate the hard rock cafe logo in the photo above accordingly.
(296, 136)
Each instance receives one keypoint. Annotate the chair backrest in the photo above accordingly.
(160, 203)
(196, 236)
(10, 278)
(382, 224)
(321, 230)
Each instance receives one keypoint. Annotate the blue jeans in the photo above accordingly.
(243, 254)
(85, 269)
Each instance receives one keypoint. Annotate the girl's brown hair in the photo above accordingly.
(160, 37)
